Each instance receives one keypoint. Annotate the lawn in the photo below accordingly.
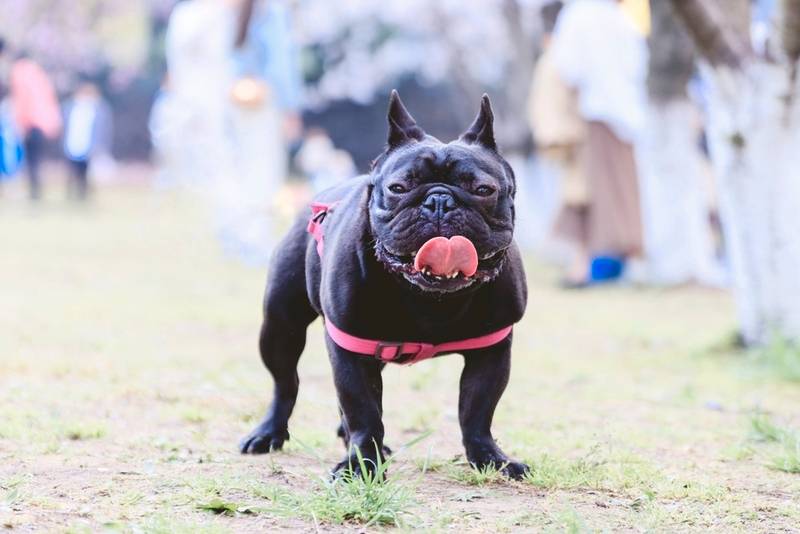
(129, 371)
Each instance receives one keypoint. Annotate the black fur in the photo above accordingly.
(365, 284)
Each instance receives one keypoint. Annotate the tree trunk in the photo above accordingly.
(719, 28)
(678, 242)
(515, 132)
(755, 156)
(512, 132)
(754, 135)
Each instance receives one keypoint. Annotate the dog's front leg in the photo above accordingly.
(359, 388)
(483, 381)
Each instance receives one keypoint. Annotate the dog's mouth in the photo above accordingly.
(442, 264)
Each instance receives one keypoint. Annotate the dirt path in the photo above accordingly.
(128, 372)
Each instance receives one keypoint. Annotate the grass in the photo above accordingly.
(784, 454)
(164, 524)
(83, 431)
(763, 429)
(129, 371)
(546, 472)
(194, 415)
(788, 460)
(366, 500)
(780, 357)
(467, 474)
(549, 472)
(568, 521)
(12, 488)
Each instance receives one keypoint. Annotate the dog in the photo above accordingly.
(415, 260)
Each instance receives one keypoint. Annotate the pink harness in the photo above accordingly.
(405, 352)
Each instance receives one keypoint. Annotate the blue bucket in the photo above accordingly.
(606, 268)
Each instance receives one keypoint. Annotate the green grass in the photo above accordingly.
(784, 454)
(788, 459)
(194, 415)
(780, 357)
(366, 498)
(568, 521)
(557, 473)
(12, 492)
(362, 495)
(763, 429)
(168, 524)
(83, 431)
(219, 506)
(464, 473)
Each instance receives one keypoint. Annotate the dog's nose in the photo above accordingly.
(439, 203)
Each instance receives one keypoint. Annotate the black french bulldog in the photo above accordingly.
(420, 250)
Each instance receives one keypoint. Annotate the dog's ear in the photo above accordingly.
(402, 126)
(482, 129)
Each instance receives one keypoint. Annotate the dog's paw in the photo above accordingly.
(510, 468)
(263, 439)
(515, 470)
(353, 466)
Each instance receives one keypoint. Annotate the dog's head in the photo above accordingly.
(442, 215)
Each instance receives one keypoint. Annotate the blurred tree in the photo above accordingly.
(754, 138)
(672, 55)
(679, 243)
(357, 49)
(352, 50)
(117, 42)
(81, 35)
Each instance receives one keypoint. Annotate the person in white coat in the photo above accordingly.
(599, 53)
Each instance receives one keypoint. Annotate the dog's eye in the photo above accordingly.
(397, 188)
(484, 190)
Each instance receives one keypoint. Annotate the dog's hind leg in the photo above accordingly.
(287, 314)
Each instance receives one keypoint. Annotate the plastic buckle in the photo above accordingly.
(387, 345)
(319, 216)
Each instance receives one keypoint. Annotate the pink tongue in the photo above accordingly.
(447, 256)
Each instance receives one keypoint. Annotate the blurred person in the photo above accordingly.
(197, 48)
(36, 113)
(559, 133)
(164, 135)
(323, 163)
(11, 151)
(265, 118)
(234, 90)
(87, 133)
(598, 52)
(190, 121)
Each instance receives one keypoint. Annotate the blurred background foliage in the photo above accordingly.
(442, 55)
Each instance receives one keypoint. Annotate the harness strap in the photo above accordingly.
(407, 352)
(318, 212)
(404, 352)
